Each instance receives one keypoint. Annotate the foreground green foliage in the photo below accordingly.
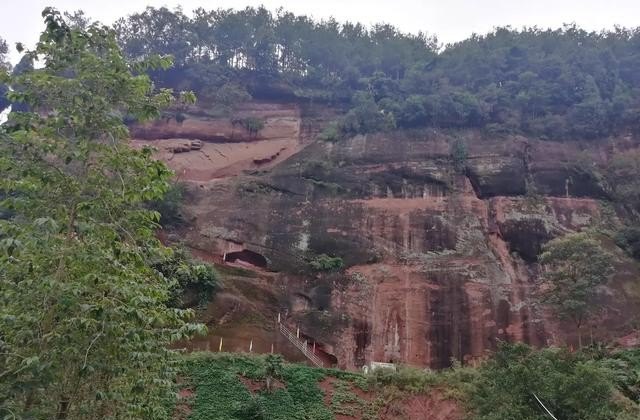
(85, 324)
(625, 366)
(571, 386)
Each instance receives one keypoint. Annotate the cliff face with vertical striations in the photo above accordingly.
(440, 263)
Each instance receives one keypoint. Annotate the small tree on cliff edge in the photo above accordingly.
(575, 264)
(85, 325)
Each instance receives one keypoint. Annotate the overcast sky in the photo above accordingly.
(450, 20)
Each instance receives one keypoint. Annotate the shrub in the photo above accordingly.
(365, 117)
(628, 239)
(169, 206)
(273, 368)
(231, 94)
(253, 125)
(324, 262)
(331, 133)
(406, 378)
(458, 151)
(220, 393)
(188, 275)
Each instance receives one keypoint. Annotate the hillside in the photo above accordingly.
(338, 222)
(233, 386)
(243, 386)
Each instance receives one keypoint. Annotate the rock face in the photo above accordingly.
(440, 264)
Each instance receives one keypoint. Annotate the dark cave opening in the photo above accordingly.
(333, 360)
(247, 257)
(319, 349)
(330, 359)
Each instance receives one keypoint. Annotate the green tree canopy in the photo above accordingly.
(85, 325)
(552, 83)
(575, 265)
(571, 386)
(623, 174)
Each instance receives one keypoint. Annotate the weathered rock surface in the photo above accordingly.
(441, 264)
(281, 121)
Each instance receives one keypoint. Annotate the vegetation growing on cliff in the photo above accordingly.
(324, 262)
(85, 322)
(253, 125)
(575, 265)
(628, 238)
(458, 151)
(558, 84)
(169, 206)
(187, 278)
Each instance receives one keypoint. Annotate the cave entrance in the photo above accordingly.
(319, 349)
(246, 257)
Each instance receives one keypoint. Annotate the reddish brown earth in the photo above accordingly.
(441, 264)
(227, 150)
(183, 405)
(399, 406)
(432, 407)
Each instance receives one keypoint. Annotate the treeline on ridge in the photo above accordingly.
(555, 84)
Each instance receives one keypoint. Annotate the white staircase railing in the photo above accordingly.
(301, 345)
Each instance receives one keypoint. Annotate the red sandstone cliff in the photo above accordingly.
(441, 264)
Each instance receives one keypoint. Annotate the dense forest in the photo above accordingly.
(555, 84)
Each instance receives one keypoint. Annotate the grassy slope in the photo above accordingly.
(231, 386)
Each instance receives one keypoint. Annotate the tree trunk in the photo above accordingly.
(63, 408)
(579, 338)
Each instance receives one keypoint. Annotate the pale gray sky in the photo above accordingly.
(450, 20)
